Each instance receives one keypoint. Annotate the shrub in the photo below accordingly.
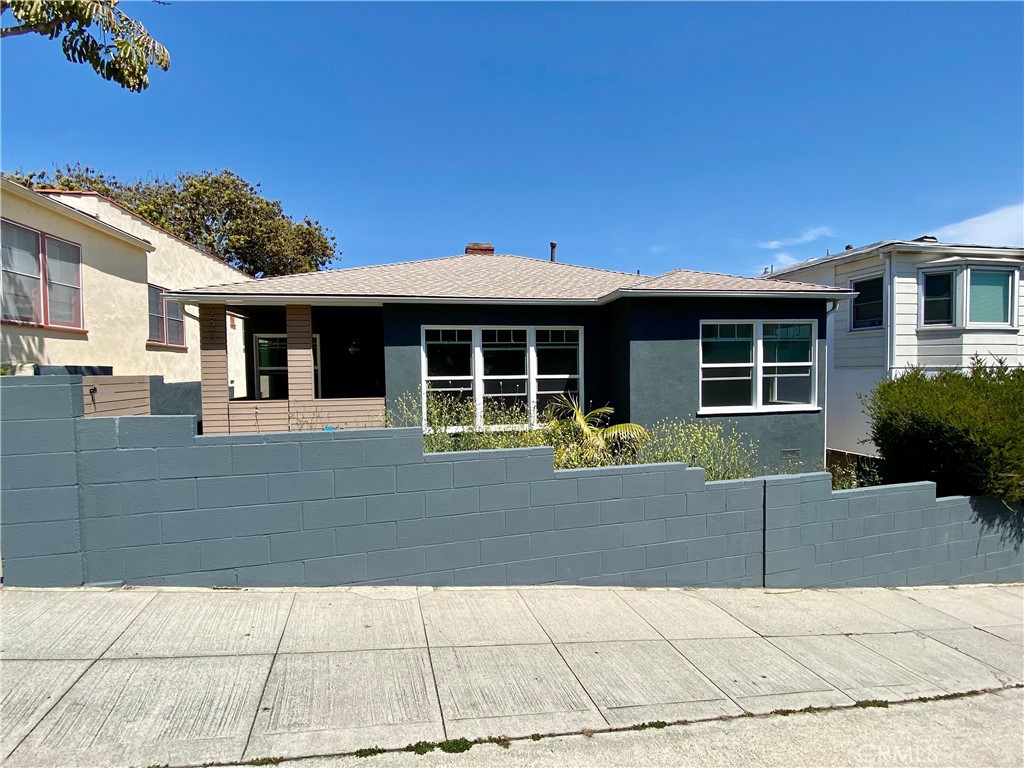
(723, 452)
(963, 431)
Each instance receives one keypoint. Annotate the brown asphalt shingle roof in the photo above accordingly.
(488, 277)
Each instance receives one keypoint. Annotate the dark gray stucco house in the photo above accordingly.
(334, 347)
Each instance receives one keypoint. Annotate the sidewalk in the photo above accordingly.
(185, 677)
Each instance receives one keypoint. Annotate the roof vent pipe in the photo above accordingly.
(553, 245)
(849, 247)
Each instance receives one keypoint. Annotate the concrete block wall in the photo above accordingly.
(893, 535)
(143, 500)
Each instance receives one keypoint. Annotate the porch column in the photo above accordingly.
(213, 362)
(299, 328)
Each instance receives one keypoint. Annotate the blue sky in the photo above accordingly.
(639, 136)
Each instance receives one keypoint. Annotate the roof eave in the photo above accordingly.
(792, 294)
(10, 187)
(238, 299)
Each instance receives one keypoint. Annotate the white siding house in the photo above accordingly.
(920, 303)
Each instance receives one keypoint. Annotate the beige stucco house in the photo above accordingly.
(919, 303)
(83, 284)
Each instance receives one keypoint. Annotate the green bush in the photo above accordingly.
(963, 431)
(723, 452)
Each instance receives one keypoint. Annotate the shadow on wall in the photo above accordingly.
(21, 350)
(997, 516)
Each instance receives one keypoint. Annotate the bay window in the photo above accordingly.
(42, 278)
(757, 366)
(507, 375)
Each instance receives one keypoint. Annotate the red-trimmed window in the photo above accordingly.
(166, 322)
(42, 278)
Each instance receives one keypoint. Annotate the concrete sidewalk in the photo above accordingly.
(185, 677)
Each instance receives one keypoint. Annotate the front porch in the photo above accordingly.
(306, 368)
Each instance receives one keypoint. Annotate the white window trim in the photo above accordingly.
(477, 367)
(1014, 298)
(257, 367)
(885, 292)
(758, 366)
(956, 303)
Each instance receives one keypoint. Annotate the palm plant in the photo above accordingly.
(586, 439)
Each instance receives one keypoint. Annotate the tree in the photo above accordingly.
(94, 32)
(219, 212)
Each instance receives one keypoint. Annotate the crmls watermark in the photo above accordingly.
(898, 754)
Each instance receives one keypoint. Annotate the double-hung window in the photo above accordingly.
(166, 321)
(270, 352)
(509, 375)
(757, 366)
(42, 278)
(990, 296)
(868, 305)
(938, 292)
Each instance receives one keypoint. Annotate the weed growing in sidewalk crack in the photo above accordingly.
(455, 745)
(370, 752)
(502, 741)
(421, 747)
(873, 703)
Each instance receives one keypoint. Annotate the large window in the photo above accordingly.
(42, 278)
(868, 304)
(757, 366)
(166, 321)
(270, 351)
(507, 374)
(989, 294)
(937, 295)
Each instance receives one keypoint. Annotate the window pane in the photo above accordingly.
(175, 332)
(174, 312)
(273, 385)
(787, 342)
(21, 300)
(786, 385)
(727, 386)
(156, 328)
(272, 353)
(450, 384)
(504, 351)
(20, 249)
(504, 387)
(727, 343)
(451, 356)
(867, 307)
(156, 303)
(553, 360)
(938, 299)
(451, 409)
(990, 296)
(64, 304)
(62, 262)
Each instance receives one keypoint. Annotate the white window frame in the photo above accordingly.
(257, 367)
(851, 284)
(1014, 297)
(758, 366)
(477, 368)
(956, 303)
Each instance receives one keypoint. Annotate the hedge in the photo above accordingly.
(964, 431)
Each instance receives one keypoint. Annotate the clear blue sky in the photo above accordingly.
(639, 136)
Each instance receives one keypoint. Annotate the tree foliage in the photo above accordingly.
(93, 32)
(218, 211)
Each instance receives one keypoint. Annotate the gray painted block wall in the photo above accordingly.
(143, 500)
(894, 535)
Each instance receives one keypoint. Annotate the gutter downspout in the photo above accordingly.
(890, 313)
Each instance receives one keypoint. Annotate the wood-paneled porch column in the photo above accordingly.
(213, 362)
(299, 327)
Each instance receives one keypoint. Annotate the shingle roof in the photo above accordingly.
(689, 280)
(487, 277)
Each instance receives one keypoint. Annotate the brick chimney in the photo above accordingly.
(480, 248)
